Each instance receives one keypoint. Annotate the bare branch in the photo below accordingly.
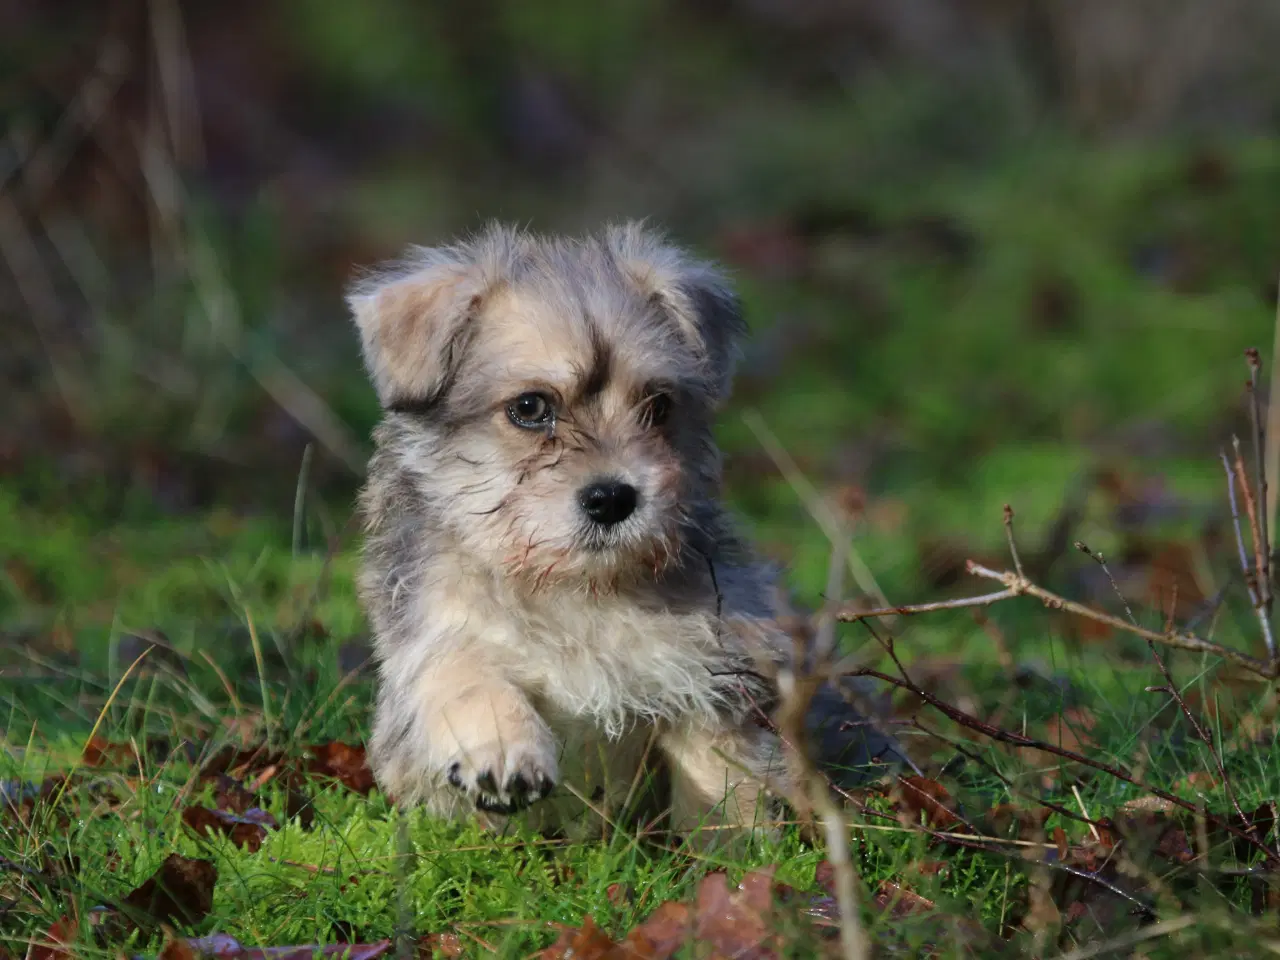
(1101, 561)
(1259, 462)
(851, 613)
(1022, 741)
(1260, 592)
(799, 683)
(1013, 546)
(1182, 640)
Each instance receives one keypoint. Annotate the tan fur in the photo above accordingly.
(521, 644)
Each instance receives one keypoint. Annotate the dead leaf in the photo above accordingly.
(219, 946)
(734, 922)
(231, 795)
(899, 902)
(922, 795)
(663, 933)
(345, 763)
(1060, 839)
(181, 891)
(100, 752)
(587, 942)
(56, 943)
(440, 945)
(247, 831)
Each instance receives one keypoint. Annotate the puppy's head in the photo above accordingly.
(552, 398)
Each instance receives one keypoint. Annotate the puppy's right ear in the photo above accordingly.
(414, 322)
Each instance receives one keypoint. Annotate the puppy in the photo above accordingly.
(564, 620)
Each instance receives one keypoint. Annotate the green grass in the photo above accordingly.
(973, 401)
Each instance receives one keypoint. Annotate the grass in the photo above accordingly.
(969, 391)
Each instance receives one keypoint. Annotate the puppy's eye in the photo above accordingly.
(531, 411)
(656, 409)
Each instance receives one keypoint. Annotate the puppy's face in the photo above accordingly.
(552, 399)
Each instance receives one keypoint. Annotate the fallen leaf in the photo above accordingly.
(921, 795)
(899, 902)
(1060, 840)
(100, 752)
(440, 945)
(56, 943)
(734, 922)
(663, 932)
(231, 795)
(343, 762)
(587, 942)
(181, 891)
(247, 831)
(219, 946)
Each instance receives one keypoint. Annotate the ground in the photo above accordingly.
(1066, 335)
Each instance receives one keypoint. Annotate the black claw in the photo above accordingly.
(545, 785)
(455, 775)
(486, 782)
(518, 787)
(491, 805)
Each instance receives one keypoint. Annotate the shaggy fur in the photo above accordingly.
(531, 657)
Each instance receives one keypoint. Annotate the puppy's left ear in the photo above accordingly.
(692, 292)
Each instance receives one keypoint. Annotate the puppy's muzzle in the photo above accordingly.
(608, 502)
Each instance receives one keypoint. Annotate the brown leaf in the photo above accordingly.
(587, 942)
(663, 933)
(440, 945)
(181, 891)
(734, 922)
(1060, 839)
(921, 795)
(175, 948)
(219, 946)
(619, 894)
(247, 832)
(1030, 821)
(899, 902)
(343, 762)
(99, 752)
(231, 795)
(298, 804)
(56, 943)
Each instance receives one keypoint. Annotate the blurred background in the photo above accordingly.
(991, 251)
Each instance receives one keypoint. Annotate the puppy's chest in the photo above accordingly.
(619, 665)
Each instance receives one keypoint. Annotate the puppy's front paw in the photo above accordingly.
(506, 777)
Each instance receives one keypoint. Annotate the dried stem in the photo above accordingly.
(1170, 687)
(1101, 561)
(1181, 640)
(799, 685)
(1025, 742)
(1013, 546)
(1259, 462)
(1259, 591)
(853, 614)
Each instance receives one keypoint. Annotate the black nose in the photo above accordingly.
(608, 502)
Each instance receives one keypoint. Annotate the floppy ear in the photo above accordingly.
(693, 293)
(417, 317)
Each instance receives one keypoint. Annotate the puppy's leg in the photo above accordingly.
(718, 780)
(460, 727)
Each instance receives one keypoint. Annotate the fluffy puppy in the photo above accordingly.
(559, 606)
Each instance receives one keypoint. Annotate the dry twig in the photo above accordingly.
(798, 686)
(1021, 586)
(1259, 591)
